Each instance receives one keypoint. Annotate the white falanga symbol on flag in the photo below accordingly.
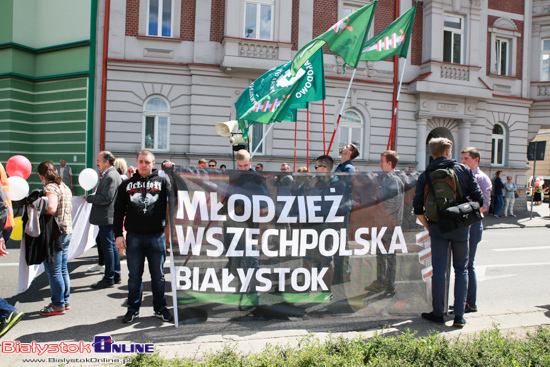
(383, 45)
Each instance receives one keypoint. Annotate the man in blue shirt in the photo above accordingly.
(347, 153)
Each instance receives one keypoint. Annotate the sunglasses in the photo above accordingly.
(320, 166)
(212, 165)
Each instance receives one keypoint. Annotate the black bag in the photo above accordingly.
(455, 217)
(460, 216)
(516, 195)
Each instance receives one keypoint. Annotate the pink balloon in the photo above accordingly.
(19, 166)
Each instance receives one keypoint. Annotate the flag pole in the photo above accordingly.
(324, 133)
(261, 141)
(394, 114)
(295, 138)
(341, 110)
(307, 144)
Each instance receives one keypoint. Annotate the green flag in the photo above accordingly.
(273, 107)
(394, 40)
(308, 84)
(344, 38)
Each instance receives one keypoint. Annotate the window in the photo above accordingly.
(258, 22)
(502, 56)
(545, 62)
(156, 124)
(159, 18)
(452, 39)
(255, 134)
(351, 130)
(497, 150)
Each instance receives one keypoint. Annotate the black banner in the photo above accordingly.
(290, 245)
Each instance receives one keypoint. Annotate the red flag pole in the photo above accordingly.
(393, 130)
(341, 110)
(324, 134)
(295, 138)
(307, 143)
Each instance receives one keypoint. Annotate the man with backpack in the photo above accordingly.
(445, 183)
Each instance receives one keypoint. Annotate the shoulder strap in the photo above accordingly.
(430, 185)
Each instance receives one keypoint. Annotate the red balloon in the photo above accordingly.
(19, 166)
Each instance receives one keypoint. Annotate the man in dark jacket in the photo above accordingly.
(142, 199)
(103, 202)
(440, 148)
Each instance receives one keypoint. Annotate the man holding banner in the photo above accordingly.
(245, 184)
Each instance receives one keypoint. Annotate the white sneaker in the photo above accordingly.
(97, 267)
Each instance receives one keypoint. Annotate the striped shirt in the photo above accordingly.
(64, 204)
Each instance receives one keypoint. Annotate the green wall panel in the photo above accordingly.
(68, 61)
(55, 96)
(6, 21)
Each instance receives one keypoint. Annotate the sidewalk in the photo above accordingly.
(540, 218)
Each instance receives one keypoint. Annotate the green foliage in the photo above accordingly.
(488, 348)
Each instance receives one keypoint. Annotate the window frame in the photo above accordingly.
(543, 53)
(259, 4)
(455, 31)
(511, 36)
(500, 140)
(159, 23)
(499, 42)
(156, 115)
(344, 124)
(252, 129)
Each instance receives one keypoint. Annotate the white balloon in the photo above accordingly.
(19, 188)
(88, 179)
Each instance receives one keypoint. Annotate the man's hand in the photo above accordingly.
(121, 244)
(3, 251)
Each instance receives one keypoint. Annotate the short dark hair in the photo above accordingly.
(354, 150)
(391, 156)
(327, 161)
(474, 153)
(259, 164)
(108, 156)
(213, 160)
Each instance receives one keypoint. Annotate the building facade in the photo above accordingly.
(47, 65)
(478, 72)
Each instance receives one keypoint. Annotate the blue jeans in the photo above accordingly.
(111, 256)
(5, 308)
(476, 231)
(499, 203)
(138, 248)
(58, 274)
(459, 246)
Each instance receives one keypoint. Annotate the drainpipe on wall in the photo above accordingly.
(104, 75)
(526, 57)
(395, 72)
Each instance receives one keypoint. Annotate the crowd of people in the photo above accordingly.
(129, 208)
